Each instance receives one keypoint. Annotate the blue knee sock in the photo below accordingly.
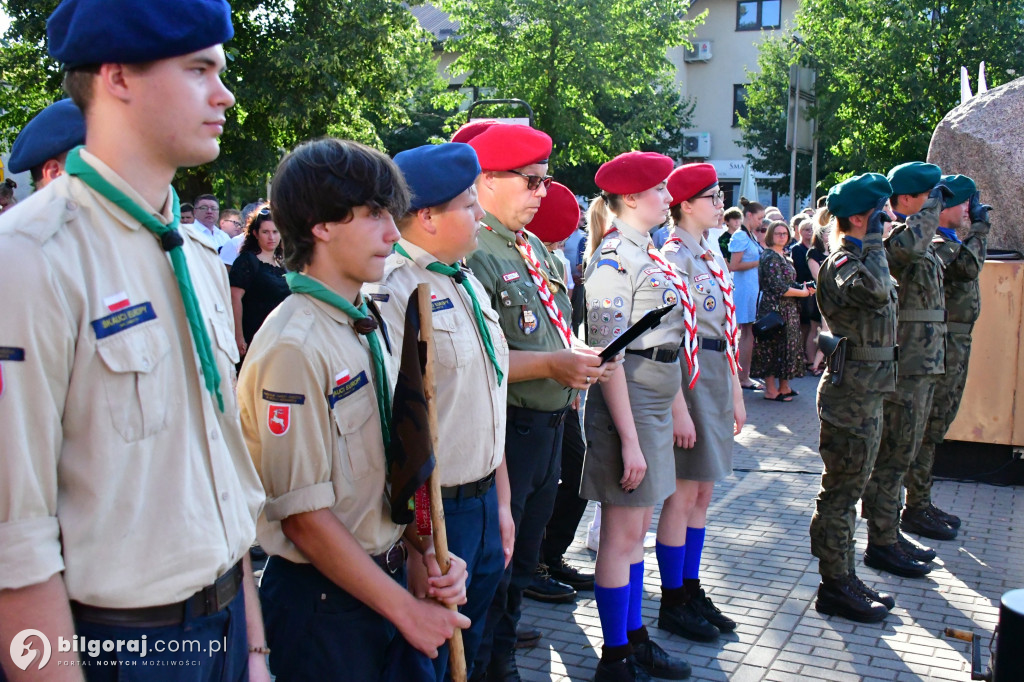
(635, 620)
(670, 564)
(695, 542)
(612, 607)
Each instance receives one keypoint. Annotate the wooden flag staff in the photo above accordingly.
(457, 654)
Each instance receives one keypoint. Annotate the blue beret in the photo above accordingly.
(437, 173)
(53, 131)
(914, 177)
(857, 195)
(84, 32)
(962, 187)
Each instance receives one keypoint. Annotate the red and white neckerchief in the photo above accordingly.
(689, 345)
(543, 289)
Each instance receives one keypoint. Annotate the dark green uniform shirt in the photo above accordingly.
(962, 264)
(918, 273)
(499, 266)
(857, 299)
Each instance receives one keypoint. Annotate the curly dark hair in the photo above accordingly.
(251, 243)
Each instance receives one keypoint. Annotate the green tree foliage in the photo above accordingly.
(888, 72)
(298, 69)
(595, 72)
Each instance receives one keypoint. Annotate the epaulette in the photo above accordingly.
(610, 246)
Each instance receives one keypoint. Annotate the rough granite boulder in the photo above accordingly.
(984, 138)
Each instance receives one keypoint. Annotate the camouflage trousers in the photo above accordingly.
(949, 389)
(905, 415)
(851, 428)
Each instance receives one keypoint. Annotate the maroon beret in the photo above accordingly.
(633, 172)
(558, 215)
(472, 129)
(691, 179)
(510, 146)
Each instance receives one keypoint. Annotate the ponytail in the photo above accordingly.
(597, 220)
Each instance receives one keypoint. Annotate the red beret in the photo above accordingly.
(558, 215)
(633, 172)
(472, 129)
(508, 146)
(689, 180)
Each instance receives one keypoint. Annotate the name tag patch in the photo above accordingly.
(286, 398)
(344, 390)
(11, 354)
(510, 276)
(701, 278)
(380, 298)
(441, 304)
(123, 320)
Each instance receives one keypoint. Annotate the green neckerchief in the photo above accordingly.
(302, 284)
(171, 242)
(481, 325)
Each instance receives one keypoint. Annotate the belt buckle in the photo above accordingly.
(394, 558)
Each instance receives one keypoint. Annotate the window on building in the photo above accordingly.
(739, 104)
(754, 15)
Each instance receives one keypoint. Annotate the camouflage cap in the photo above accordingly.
(961, 186)
(914, 177)
(857, 195)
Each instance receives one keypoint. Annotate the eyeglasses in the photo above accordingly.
(534, 181)
(207, 207)
(233, 222)
(717, 198)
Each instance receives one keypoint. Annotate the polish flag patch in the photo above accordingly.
(341, 377)
(841, 261)
(118, 301)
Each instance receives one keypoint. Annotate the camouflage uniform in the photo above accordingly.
(921, 334)
(962, 263)
(857, 300)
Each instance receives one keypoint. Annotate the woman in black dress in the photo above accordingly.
(257, 277)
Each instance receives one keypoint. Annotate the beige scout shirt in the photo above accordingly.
(116, 465)
(704, 288)
(309, 413)
(471, 404)
(623, 284)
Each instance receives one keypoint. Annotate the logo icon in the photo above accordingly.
(279, 419)
(22, 652)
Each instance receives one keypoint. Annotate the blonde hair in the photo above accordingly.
(598, 219)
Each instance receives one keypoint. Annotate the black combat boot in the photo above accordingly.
(544, 588)
(949, 519)
(915, 550)
(712, 613)
(842, 597)
(891, 559)
(617, 664)
(680, 615)
(503, 668)
(655, 660)
(883, 598)
(922, 522)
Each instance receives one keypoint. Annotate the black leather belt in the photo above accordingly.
(468, 490)
(718, 345)
(205, 602)
(393, 559)
(656, 354)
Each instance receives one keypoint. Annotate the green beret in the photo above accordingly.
(962, 187)
(914, 177)
(857, 195)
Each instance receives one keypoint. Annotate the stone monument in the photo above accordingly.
(984, 138)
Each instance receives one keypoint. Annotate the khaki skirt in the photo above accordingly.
(652, 385)
(710, 406)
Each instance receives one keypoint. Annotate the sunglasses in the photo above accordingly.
(264, 211)
(761, 229)
(534, 181)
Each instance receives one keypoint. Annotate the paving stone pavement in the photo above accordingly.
(758, 568)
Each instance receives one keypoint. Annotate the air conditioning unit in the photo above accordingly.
(701, 52)
(697, 144)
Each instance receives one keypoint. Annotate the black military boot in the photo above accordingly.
(655, 660)
(680, 615)
(546, 589)
(503, 668)
(922, 522)
(949, 519)
(617, 664)
(915, 550)
(573, 577)
(891, 559)
(883, 598)
(712, 613)
(842, 597)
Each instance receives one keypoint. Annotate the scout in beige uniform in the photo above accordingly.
(629, 421)
(714, 401)
(471, 355)
(127, 504)
(43, 144)
(315, 400)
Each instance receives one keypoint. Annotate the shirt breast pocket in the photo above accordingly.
(497, 335)
(136, 379)
(451, 342)
(352, 416)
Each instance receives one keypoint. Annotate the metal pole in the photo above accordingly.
(796, 125)
(814, 171)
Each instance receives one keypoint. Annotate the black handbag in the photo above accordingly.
(768, 324)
